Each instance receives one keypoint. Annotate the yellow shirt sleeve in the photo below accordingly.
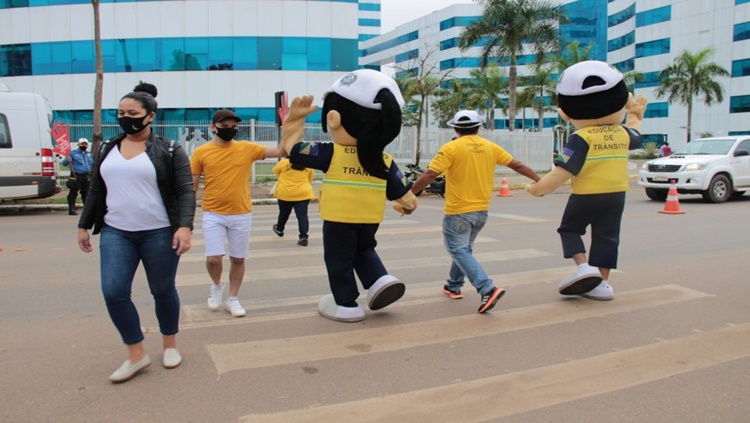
(442, 160)
(196, 166)
(503, 158)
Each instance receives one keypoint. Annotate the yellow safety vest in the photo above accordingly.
(351, 194)
(606, 167)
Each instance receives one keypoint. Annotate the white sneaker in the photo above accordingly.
(214, 296)
(232, 305)
(603, 292)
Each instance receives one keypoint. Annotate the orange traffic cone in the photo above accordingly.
(504, 188)
(672, 206)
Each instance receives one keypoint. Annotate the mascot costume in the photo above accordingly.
(362, 113)
(593, 97)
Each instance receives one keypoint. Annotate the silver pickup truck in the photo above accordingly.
(716, 168)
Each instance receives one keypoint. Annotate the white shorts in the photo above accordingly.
(235, 228)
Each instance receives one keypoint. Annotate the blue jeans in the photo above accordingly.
(121, 252)
(459, 233)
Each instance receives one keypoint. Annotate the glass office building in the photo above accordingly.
(632, 35)
(201, 55)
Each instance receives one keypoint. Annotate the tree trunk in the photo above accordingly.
(690, 119)
(97, 133)
(418, 143)
(512, 85)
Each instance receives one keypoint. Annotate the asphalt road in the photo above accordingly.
(673, 346)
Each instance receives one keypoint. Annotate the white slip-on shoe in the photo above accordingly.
(583, 280)
(384, 292)
(232, 305)
(128, 369)
(171, 359)
(328, 308)
(603, 292)
(214, 296)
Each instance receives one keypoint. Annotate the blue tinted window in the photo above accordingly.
(739, 104)
(621, 16)
(41, 59)
(620, 42)
(5, 4)
(403, 39)
(650, 79)
(269, 53)
(625, 65)
(196, 53)
(365, 37)
(15, 60)
(173, 53)
(319, 58)
(657, 110)
(587, 24)
(370, 7)
(409, 55)
(344, 55)
(461, 21)
(220, 53)
(652, 48)
(653, 16)
(741, 1)
(245, 53)
(181, 54)
(369, 22)
(740, 68)
(742, 31)
(449, 43)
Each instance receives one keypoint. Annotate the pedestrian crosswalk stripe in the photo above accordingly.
(521, 218)
(198, 315)
(276, 352)
(307, 251)
(510, 394)
(410, 263)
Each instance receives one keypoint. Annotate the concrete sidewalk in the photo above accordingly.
(260, 193)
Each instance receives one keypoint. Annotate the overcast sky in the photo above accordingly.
(397, 12)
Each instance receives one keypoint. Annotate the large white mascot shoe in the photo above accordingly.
(385, 291)
(603, 292)
(328, 308)
(582, 281)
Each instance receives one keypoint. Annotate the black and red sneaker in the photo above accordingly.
(456, 295)
(490, 299)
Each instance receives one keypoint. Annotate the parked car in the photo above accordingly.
(716, 168)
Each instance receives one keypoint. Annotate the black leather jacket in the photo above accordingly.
(173, 177)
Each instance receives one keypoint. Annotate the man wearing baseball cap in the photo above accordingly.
(80, 162)
(469, 163)
(226, 166)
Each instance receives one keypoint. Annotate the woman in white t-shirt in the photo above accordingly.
(142, 202)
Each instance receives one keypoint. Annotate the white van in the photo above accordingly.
(27, 165)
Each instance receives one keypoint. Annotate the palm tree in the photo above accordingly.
(99, 82)
(692, 75)
(488, 86)
(540, 84)
(450, 100)
(509, 25)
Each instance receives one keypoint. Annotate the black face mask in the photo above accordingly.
(83, 148)
(132, 125)
(227, 134)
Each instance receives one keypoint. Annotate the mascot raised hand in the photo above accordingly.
(593, 97)
(362, 114)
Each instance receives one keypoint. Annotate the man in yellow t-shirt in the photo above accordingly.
(469, 165)
(226, 165)
(294, 191)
